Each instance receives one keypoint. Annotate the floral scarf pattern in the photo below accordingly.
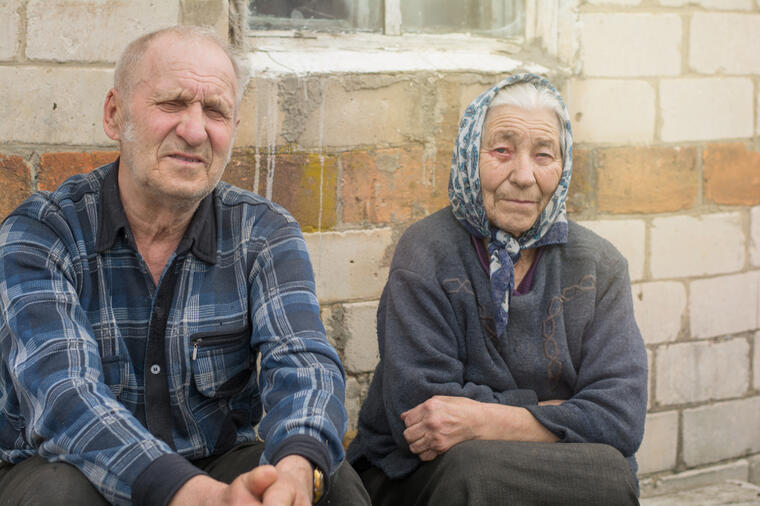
(467, 200)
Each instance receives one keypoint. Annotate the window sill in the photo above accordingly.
(276, 53)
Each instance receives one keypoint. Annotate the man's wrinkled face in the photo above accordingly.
(178, 122)
(520, 165)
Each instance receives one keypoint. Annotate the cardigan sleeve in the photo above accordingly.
(610, 395)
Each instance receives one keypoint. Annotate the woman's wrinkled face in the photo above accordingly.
(520, 165)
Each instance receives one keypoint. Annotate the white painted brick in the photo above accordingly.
(650, 376)
(728, 5)
(700, 371)
(349, 265)
(659, 308)
(92, 30)
(756, 362)
(658, 450)
(721, 431)
(724, 305)
(591, 100)
(616, 45)
(628, 236)
(326, 315)
(725, 43)
(360, 321)
(754, 469)
(614, 2)
(688, 488)
(53, 105)
(682, 246)
(355, 393)
(754, 236)
(687, 103)
(9, 33)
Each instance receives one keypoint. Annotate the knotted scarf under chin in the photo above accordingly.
(504, 252)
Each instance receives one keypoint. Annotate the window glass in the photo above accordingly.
(484, 17)
(319, 15)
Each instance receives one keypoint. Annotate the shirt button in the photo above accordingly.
(155, 368)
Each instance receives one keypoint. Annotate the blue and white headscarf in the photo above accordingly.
(467, 200)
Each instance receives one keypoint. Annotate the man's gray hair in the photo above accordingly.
(528, 96)
(132, 56)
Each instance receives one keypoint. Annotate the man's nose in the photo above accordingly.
(192, 125)
(522, 170)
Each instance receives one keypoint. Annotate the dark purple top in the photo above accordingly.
(526, 282)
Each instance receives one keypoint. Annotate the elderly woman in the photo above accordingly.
(504, 328)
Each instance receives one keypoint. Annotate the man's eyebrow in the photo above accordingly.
(215, 101)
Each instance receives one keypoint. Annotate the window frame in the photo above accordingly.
(553, 23)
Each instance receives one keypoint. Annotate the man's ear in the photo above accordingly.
(113, 115)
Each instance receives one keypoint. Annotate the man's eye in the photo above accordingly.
(172, 105)
(216, 113)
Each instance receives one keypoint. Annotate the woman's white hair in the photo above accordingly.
(528, 96)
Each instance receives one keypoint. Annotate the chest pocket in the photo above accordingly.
(221, 361)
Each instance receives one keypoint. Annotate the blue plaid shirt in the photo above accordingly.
(80, 310)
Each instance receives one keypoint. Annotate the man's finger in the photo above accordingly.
(259, 480)
(281, 493)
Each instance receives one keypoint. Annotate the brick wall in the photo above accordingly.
(664, 99)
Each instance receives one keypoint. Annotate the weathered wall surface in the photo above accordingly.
(664, 96)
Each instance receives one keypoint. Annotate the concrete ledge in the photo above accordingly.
(729, 492)
(671, 484)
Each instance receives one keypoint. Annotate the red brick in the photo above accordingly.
(393, 185)
(242, 169)
(581, 193)
(56, 167)
(306, 184)
(731, 175)
(646, 179)
(15, 182)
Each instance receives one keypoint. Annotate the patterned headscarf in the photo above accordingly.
(467, 200)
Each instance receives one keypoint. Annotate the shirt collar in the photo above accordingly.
(199, 238)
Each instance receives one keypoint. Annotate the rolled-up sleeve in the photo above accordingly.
(302, 380)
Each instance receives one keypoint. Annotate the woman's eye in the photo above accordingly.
(500, 151)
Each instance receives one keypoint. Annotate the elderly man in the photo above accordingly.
(135, 302)
(504, 329)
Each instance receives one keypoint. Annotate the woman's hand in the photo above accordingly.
(441, 422)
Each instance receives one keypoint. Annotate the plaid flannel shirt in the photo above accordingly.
(77, 304)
